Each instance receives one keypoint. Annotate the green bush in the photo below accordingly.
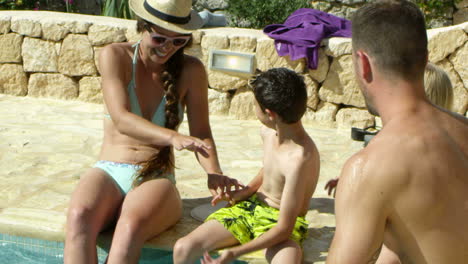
(434, 9)
(259, 13)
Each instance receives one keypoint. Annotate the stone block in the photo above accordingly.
(460, 93)
(341, 87)
(444, 41)
(26, 26)
(13, 80)
(132, 35)
(77, 56)
(213, 42)
(242, 43)
(459, 59)
(197, 36)
(312, 92)
(11, 48)
(5, 23)
(243, 105)
(39, 55)
(325, 115)
(79, 26)
(105, 34)
(52, 85)
(90, 90)
(96, 56)
(194, 50)
(353, 117)
(268, 58)
(54, 30)
(460, 16)
(219, 102)
(321, 72)
(224, 81)
(338, 46)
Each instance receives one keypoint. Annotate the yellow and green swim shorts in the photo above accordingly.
(251, 218)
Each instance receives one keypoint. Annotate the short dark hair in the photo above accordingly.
(393, 32)
(282, 91)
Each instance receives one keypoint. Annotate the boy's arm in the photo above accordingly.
(242, 193)
(294, 190)
(361, 209)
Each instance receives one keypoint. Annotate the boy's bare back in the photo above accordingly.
(290, 161)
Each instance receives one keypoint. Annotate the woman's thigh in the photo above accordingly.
(154, 206)
(96, 199)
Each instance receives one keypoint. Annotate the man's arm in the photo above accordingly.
(361, 209)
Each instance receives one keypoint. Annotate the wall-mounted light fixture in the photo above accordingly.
(224, 60)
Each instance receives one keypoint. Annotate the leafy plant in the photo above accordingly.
(260, 13)
(116, 8)
(434, 9)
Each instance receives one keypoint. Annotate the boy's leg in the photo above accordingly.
(210, 235)
(284, 252)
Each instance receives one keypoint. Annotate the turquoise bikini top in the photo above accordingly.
(159, 118)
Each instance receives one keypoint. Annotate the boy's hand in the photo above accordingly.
(220, 185)
(232, 196)
(226, 257)
(331, 186)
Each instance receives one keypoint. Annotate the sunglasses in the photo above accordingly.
(161, 40)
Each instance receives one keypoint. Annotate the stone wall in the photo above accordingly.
(51, 54)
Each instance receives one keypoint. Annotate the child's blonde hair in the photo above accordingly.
(438, 86)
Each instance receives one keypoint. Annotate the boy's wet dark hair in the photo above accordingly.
(393, 32)
(282, 91)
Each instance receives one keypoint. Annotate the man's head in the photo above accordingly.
(391, 36)
(281, 91)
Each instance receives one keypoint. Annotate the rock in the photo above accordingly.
(459, 59)
(90, 90)
(5, 23)
(76, 57)
(312, 92)
(243, 105)
(325, 115)
(213, 42)
(444, 41)
(352, 117)
(53, 29)
(11, 48)
(320, 73)
(13, 80)
(212, 5)
(25, 26)
(268, 58)
(39, 55)
(53, 86)
(225, 81)
(219, 102)
(105, 34)
(460, 93)
(242, 43)
(341, 87)
(337, 47)
(132, 35)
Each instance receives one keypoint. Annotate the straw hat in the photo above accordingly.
(173, 15)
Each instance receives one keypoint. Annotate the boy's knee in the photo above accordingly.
(185, 247)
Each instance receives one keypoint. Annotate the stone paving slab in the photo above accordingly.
(47, 144)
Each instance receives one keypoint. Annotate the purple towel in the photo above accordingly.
(301, 33)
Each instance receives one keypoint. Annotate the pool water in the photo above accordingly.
(24, 250)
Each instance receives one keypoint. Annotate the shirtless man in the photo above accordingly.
(408, 187)
(270, 211)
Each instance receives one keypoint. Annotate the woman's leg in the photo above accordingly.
(94, 204)
(210, 235)
(147, 210)
(284, 252)
(387, 256)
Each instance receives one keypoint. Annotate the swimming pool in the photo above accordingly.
(25, 250)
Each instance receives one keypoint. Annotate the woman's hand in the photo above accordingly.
(180, 142)
(233, 196)
(226, 257)
(220, 187)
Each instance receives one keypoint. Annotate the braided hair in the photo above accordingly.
(162, 162)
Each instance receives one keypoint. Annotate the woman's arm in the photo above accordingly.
(199, 125)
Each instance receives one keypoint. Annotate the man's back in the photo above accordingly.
(423, 162)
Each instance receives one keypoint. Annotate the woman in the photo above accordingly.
(146, 87)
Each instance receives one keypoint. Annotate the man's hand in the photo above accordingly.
(331, 186)
(220, 187)
(226, 257)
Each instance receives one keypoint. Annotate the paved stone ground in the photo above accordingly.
(46, 144)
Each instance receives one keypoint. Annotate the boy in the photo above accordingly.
(269, 212)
